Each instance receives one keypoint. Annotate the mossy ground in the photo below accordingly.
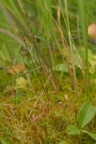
(27, 118)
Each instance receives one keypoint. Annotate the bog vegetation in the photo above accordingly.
(47, 72)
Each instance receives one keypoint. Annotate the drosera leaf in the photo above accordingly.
(92, 135)
(73, 130)
(87, 112)
(21, 82)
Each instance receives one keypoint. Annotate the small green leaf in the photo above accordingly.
(88, 142)
(73, 130)
(61, 68)
(63, 142)
(92, 135)
(3, 141)
(87, 112)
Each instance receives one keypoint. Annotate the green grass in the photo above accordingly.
(44, 80)
(84, 26)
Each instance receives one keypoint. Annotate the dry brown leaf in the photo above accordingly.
(16, 69)
(92, 30)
